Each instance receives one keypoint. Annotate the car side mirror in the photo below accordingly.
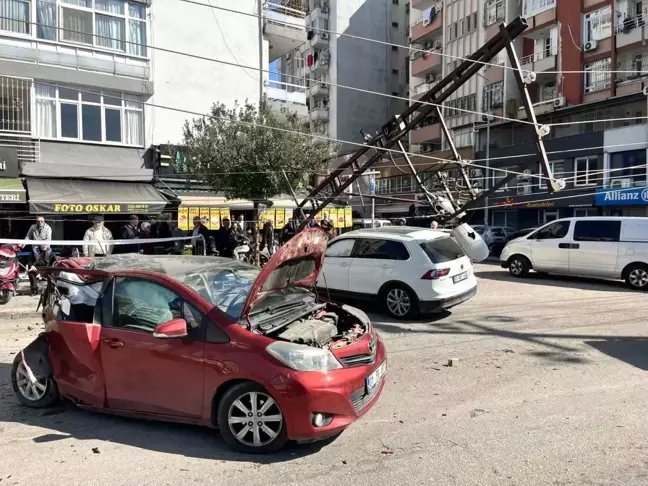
(175, 328)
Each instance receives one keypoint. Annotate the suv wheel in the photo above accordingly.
(400, 302)
(519, 266)
(637, 277)
(250, 420)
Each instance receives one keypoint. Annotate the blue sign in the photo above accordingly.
(621, 197)
(372, 184)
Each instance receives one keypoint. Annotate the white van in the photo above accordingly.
(366, 223)
(608, 247)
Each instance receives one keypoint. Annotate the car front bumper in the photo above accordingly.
(341, 394)
(430, 306)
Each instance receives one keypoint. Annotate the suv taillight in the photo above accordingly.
(436, 274)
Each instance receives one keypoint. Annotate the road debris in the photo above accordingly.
(95, 450)
(477, 411)
(453, 362)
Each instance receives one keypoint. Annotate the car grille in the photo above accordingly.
(358, 360)
(360, 398)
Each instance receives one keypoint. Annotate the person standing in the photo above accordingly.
(99, 233)
(176, 232)
(225, 240)
(289, 230)
(268, 238)
(200, 230)
(145, 234)
(129, 232)
(40, 255)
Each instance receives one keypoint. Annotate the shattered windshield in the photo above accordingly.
(224, 282)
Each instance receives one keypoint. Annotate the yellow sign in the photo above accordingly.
(270, 216)
(193, 212)
(348, 217)
(339, 221)
(280, 220)
(262, 218)
(288, 214)
(225, 213)
(326, 214)
(204, 216)
(183, 219)
(214, 218)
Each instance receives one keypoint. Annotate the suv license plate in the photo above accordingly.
(374, 378)
(460, 277)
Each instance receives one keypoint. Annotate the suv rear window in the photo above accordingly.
(441, 250)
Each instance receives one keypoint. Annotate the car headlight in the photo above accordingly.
(303, 358)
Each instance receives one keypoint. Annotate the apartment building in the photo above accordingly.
(87, 86)
(599, 140)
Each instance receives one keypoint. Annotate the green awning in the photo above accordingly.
(12, 191)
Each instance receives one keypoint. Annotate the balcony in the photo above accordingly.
(629, 31)
(291, 101)
(539, 12)
(321, 64)
(319, 40)
(284, 25)
(319, 114)
(425, 64)
(423, 28)
(424, 4)
(548, 102)
(320, 11)
(540, 61)
(421, 89)
(426, 133)
(319, 90)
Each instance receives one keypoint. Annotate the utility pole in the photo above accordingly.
(487, 176)
(372, 190)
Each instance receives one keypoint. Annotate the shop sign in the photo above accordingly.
(107, 208)
(8, 162)
(621, 197)
(540, 205)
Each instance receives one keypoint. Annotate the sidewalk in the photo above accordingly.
(21, 306)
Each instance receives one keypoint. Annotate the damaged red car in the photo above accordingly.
(210, 341)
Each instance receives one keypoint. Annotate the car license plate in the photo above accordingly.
(374, 378)
(460, 277)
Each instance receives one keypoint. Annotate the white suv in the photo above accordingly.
(409, 270)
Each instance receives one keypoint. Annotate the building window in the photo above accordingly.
(461, 106)
(493, 95)
(394, 71)
(585, 171)
(584, 212)
(115, 25)
(395, 25)
(394, 48)
(597, 75)
(628, 169)
(394, 93)
(502, 173)
(395, 2)
(597, 25)
(557, 169)
(493, 11)
(534, 7)
(89, 115)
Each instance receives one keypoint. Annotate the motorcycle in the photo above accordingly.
(9, 273)
(242, 250)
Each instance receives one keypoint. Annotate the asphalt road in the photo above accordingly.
(549, 387)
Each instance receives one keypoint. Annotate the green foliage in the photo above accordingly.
(238, 152)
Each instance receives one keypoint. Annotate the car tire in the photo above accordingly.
(636, 276)
(400, 302)
(232, 424)
(519, 266)
(42, 395)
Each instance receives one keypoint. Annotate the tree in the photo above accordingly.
(242, 151)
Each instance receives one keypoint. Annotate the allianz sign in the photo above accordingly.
(621, 197)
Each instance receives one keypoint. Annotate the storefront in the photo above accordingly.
(13, 197)
(623, 202)
(67, 204)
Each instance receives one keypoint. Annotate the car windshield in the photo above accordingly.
(479, 229)
(440, 250)
(222, 281)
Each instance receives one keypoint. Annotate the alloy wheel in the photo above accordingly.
(516, 267)
(398, 302)
(638, 277)
(255, 419)
(32, 392)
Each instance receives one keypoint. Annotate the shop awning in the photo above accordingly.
(12, 191)
(86, 197)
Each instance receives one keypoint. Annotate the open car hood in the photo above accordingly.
(296, 264)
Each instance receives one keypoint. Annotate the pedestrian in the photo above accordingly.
(129, 232)
(40, 255)
(101, 235)
(176, 232)
(268, 238)
(239, 225)
(289, 230)
(434, 225)
(145, 234)
(225, 239)
(200, 230)
(327, 226)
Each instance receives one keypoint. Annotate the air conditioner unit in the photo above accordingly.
(324, 35)
(559, 102)
(621, 183)
(590, 46)
(526, 175)
(524, 189)
(474, 173)
(429, 78)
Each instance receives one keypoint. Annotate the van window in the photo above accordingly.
(597, 230)
(554, 231)
(441, 250)
(340, 248)
(380, 249)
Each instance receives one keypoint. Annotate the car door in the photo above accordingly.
(550, 247)
(143, 373)
(335, 272)
(373, 263)
(595, 247)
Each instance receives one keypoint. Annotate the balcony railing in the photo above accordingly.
(631, 67)
(15, 104)
(538, 56)
(626, 25)
(289, 7)
(423, 88)
(27, 148)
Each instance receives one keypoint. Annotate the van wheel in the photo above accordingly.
(519, 266)
(637, 276)
(400, 302)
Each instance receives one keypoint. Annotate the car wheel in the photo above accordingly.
(250, 420)
(400, 302)
(519, 266)
(42, 394)
(637, 277)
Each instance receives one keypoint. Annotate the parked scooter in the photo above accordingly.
(9, 273)
(242, 250)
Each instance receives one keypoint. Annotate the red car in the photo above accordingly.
(209, 341)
